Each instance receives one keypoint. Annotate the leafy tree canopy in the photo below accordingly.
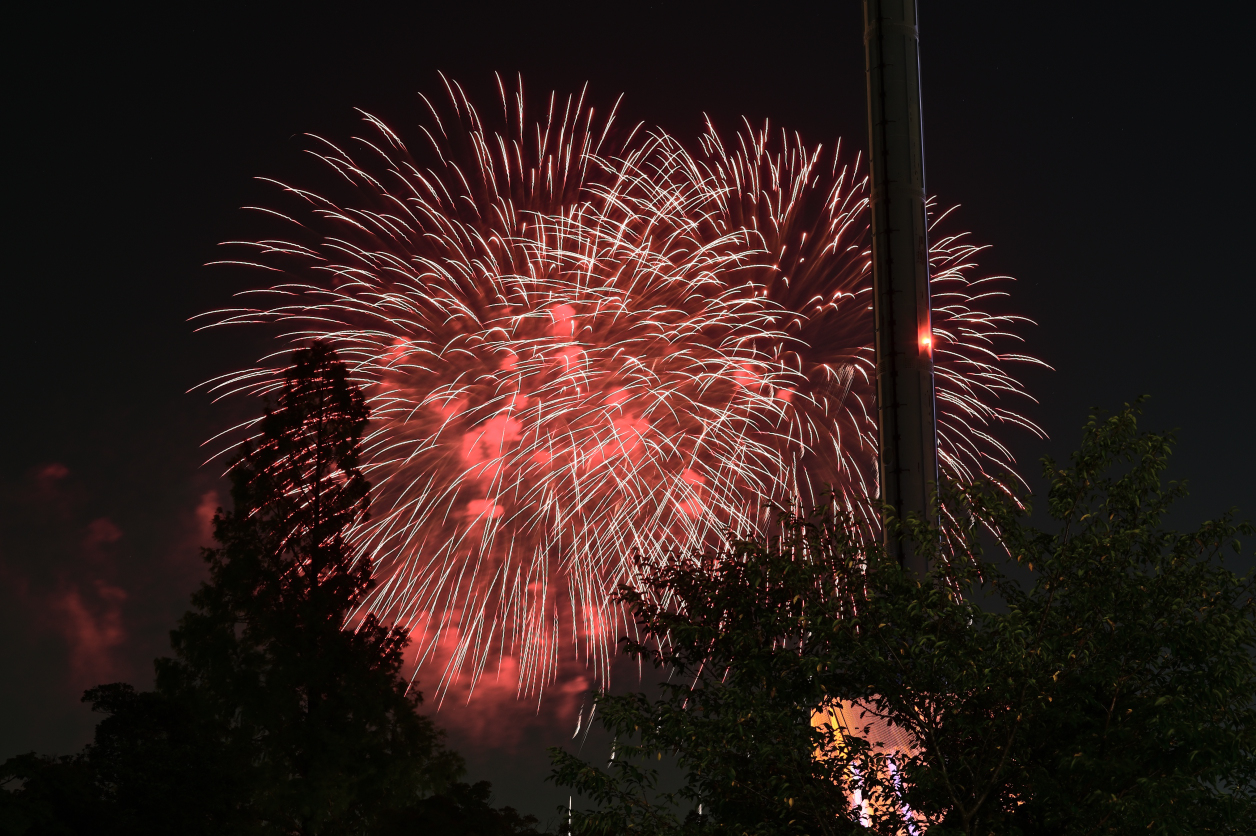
(1100, 680)
(283, 709)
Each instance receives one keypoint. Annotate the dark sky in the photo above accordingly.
(1104, 150)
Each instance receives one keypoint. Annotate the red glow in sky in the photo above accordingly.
(585, 344)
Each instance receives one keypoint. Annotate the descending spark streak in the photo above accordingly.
(813, 267)
(584, 346)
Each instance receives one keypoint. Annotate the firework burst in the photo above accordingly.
(585, 346)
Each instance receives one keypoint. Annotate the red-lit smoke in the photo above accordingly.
(585, 345)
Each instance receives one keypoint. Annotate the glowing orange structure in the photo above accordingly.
(843, 719)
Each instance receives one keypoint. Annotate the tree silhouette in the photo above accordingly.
(282, 710)
(1097, 679)
(310, 706)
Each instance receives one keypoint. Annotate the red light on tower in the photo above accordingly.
(906, 401)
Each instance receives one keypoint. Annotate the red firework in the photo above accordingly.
(584, 347)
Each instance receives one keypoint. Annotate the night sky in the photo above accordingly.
(1104, 150)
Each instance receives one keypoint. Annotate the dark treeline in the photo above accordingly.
(281, 710)
(1099, 678)
(1094, 679)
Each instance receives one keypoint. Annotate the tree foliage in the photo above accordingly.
(1097, 679)
(282, 710)
(313, 703)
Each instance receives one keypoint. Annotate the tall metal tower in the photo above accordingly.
(900, 268)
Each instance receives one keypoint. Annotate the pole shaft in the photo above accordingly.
(900, 268)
